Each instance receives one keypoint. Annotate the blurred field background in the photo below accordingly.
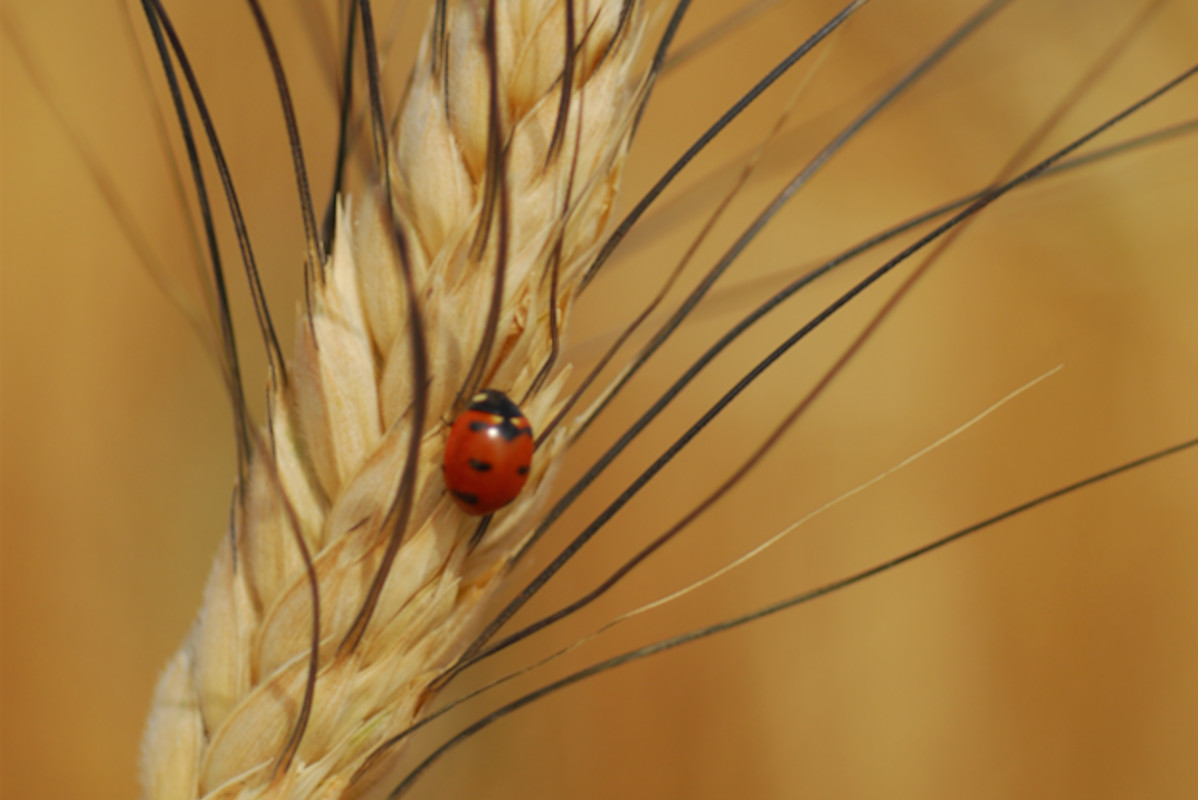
(1051, 657)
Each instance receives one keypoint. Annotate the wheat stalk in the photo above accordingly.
(480, 133)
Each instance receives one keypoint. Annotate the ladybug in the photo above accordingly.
(488, 453)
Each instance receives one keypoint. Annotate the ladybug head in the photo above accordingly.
(493, 401)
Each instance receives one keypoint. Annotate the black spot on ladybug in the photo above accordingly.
(509, 430)
(468, 498)
(476, 426)
(479, 466)
(523, 469)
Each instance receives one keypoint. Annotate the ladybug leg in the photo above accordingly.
(480, 530)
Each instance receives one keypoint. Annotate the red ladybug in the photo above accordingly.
(488, 453)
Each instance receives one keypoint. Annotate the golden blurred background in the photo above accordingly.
(1053, 656)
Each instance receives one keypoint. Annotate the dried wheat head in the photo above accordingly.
(501, 185)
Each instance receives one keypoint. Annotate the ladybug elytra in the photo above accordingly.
(488, 453)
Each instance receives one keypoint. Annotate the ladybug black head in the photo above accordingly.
(493, 401)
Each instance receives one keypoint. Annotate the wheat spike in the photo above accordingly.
(330, 461)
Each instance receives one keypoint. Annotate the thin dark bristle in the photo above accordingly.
(495, 161)
(495, 207)
(708, 38)
(314, 267)
(480, 530)
(631, 219)
(892, 231)
(844, 137)
(345, 103)
(696, 147)
(398, 515)
(437, 53)
(287, 753)
(743, 241)
(567, 84)
(671, 643)
(554, 264)
(228, 339)
(163, 140)
(156, 16)
(476, 650)
(267, 327)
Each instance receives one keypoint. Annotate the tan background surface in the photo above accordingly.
(1054, 656)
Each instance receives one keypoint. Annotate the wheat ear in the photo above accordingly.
(485, 131)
